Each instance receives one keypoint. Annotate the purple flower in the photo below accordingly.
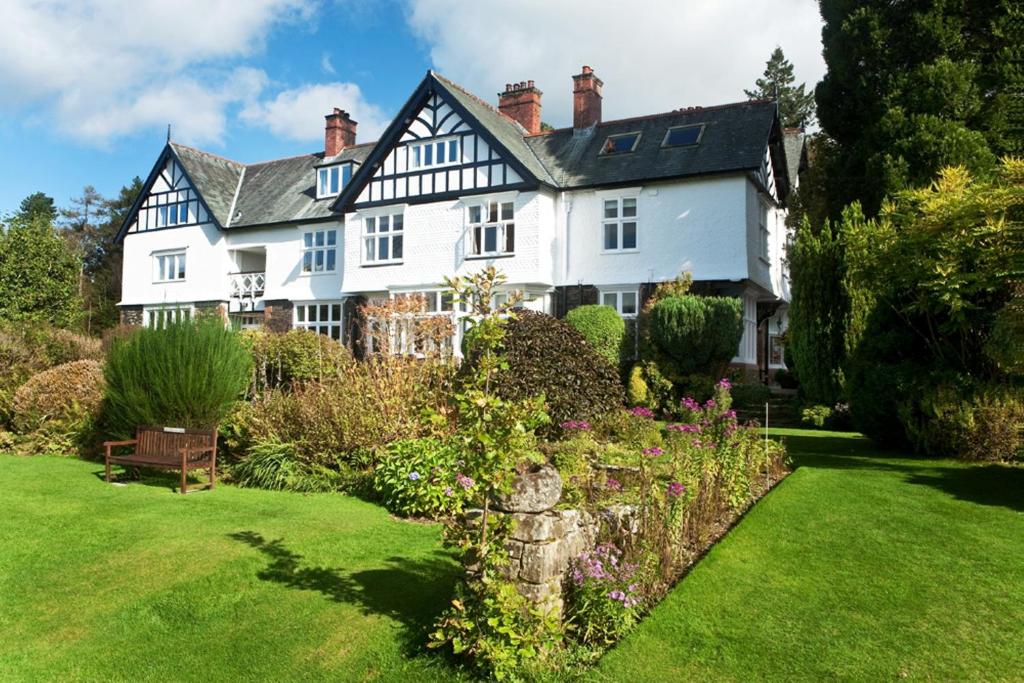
(464, 481)
(710, 403)
(654, 451)
(414, 475)
(731, 414)
(693, 429)
(724, 383)
(449, 491)
(613, 484)
(640, 411)
(675, 489)
(690, 404)
(582, 425)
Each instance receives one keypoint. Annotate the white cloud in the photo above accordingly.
(653, 55)
(297, 114)
(106, 68)
(325, 64)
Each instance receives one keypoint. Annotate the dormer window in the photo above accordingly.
(620, 144)
(435, 153)
(330, 180)
(683, 136)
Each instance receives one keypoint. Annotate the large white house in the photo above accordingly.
(596, 213)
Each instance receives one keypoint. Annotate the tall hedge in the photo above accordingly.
(187, 374)
(602, 327)
(699, 334)
(550, 357)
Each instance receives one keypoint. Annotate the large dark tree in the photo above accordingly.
(37, 205)
(911, 87)
(796, 105)
(38, 274)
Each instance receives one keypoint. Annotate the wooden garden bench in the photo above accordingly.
(169, 448)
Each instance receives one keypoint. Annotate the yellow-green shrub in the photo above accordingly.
(59, 399)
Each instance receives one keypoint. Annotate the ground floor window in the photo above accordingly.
(159, 317)
(247, 321)
(625, 301)
(776, 351)
(322, 317)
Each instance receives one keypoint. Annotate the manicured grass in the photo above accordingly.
(106, 583)
(862, 565)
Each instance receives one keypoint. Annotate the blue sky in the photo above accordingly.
(90, 104)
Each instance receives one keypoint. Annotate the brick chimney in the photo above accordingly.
(521, 102)
(339, 132)
(586, 99)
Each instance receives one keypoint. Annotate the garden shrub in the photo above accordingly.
(294, 357)
(816, 415)
(637, 391)
(548, 357)
(956, 421)
(188, 374)
(752, 395)
(58, 398)
(422, 478)
(602, 327)
(698, 334)
(276, 466)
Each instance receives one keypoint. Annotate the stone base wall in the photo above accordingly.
(277, 315)
(131, 315)
(212, 309)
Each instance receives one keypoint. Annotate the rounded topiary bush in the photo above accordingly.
(550, 357)
(187, 374)
(59, 398)
(602, 327)
(700, 334)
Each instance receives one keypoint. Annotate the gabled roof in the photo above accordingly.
(214, 178)
(502, 133)
(734, 139)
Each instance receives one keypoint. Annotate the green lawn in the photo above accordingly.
(105, 583)
(861, 565)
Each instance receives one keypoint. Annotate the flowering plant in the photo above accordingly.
(604, 595)
(421, 477)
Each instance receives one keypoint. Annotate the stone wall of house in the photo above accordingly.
(277, 315)
(131, 315)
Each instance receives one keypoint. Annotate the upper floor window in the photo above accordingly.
(382, 238)
(319, 251)
(169, 266)
(492, 229)
(762, 228)
(332, 179)
(434, 153)
(171, 214)
(624, 301)
(620, 144)
(619, 224)
(324, 318)
(681, 136)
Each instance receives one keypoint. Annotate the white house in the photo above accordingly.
(596, 213)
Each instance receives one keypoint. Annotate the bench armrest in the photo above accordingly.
(130, 442)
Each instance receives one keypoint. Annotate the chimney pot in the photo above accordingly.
(339, 132)
(586, 99)
(521, 103)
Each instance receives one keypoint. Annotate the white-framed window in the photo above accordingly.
(159, 317)
(383, 237)
(319, 251)
(435, 300)
(762, 228)
(492, 229)
(168, 215)
(434, 153)
(323, 317)
(331, 180)
(246, 321)
(625, 301)
(169, 266)
(619, 224)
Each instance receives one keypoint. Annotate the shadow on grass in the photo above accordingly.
(412, 592)
(990, 484)
(169, 479)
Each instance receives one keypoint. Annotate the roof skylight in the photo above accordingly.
(682, 136)
(620, 144)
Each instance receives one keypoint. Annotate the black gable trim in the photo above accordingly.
(168, 152)
(429, 86)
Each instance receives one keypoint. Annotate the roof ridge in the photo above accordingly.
(208, 154)
(644, 117)
(479, 99)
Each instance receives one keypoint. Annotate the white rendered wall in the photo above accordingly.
(206, 266)
(698, 226)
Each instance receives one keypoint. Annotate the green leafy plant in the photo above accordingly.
(297, 356)
(604, 596)
(188, 374)
(602, 327)
(423, 478)
(276, 466)
(60, 400)
(816, 415)
(697, 334)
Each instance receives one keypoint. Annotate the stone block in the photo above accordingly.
(542, 562)
(536, 491)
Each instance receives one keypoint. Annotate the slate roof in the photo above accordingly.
(734, 139)
(275, 191)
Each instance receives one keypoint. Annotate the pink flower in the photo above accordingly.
(582, 425)
(675, 489)
(464, 481)
(640, 411)
(724, 383)
(690, 404)
(613, 484)
(692, 429)
(654, 451)
(710, 403)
